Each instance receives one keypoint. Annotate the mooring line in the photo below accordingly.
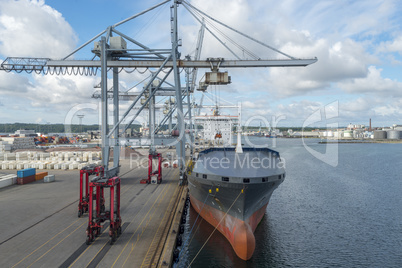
(216, 227)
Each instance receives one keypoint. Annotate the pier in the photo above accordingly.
(40, 227)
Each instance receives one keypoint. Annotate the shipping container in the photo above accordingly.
(13, 178)
(26, 180)
(40, 175)
(6, 182)
(49, 178)
(26, 172)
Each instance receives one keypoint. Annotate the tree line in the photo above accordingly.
(53, 128)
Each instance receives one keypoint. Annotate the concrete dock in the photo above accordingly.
(40, 227)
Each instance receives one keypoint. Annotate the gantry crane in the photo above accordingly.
(112, 55)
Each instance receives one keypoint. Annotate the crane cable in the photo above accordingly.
(210, 23)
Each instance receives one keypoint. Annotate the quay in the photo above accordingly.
(40, 227)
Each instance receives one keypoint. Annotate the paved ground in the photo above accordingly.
(40, 227)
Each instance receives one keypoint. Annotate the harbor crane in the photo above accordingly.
(112, 55)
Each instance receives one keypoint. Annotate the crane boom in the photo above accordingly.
(28, 65)
(185, 63)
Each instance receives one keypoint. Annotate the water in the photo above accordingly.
(349, 215)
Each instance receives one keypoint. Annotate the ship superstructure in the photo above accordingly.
(217, 128)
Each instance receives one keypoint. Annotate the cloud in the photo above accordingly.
(336, 18)
(359, 104)
(374, 83)
(14, 84)
(40, 120)
(299, 110)
(338, 59)
(389, 110)
(394, 45)
(61, 91)
(34, 29)
(384, 111)
(337, 62)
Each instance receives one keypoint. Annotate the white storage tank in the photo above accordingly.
(348, 134)
(336, 134)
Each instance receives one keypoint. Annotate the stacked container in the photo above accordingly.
(25, 176)
(7, 180)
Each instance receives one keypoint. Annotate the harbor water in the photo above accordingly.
(338, 207)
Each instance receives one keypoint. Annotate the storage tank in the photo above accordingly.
(393, 135)
(380, 134)
(348, 134)
(336, 134)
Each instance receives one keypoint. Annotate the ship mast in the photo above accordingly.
(239, 148)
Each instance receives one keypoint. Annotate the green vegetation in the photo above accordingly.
(53, 128)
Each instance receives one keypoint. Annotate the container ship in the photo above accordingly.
(231, 187)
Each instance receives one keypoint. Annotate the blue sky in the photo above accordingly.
(358, 45)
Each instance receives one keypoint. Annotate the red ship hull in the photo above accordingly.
(239, 233)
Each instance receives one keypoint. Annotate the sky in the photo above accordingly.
(358, 45)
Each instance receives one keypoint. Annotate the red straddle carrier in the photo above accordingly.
(84, 182)
(100, 214)
(154, 176)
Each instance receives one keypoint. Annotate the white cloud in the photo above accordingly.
(13, 84)
(61, 91)
(40, 120)
(293, 113)
(354, 18)
(299, 109)
(383, 110)
(34, 29)
(357, 105)
(388, 110)
(337, 62)
(374, 84)
(258, 104)
(394, 45)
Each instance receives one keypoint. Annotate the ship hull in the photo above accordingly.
(234, 205)
(240, 234)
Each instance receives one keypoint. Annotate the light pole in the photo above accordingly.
(80, 116)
